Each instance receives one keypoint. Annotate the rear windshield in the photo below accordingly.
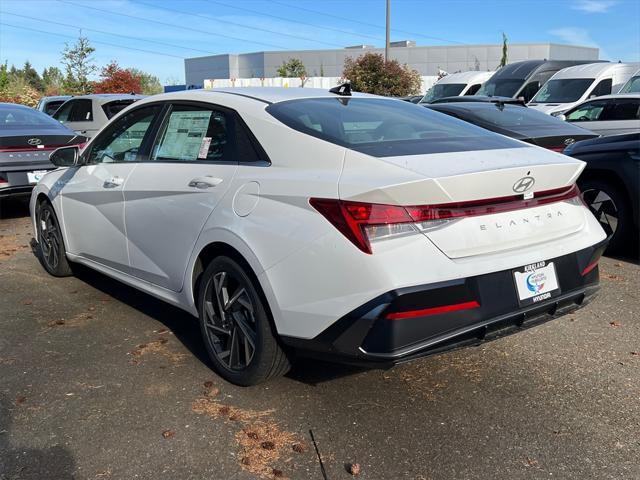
(19, 117)
(115, 107)
(384, 128)
(440, 90)
(632, 86)
(513, 116)
(564, 90)
(506, 87)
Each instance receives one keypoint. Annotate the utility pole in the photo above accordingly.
(386, 45)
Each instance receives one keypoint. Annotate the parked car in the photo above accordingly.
(480, 98)
(412, 98)
(574, 85)
(607, 115)
(456, 84)
(524, 79)
(27, 137)
(610, 186)
(632, 85)
(49, 105)
(362, 228)
(87, 114)
(517, 122)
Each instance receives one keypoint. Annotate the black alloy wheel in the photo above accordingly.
(51, 249)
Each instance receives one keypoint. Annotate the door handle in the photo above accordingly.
(113, 182)
(205, 182)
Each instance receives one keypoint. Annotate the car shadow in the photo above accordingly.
(14, 208)
(30, 463)
(183, 325)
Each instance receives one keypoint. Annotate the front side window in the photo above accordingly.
(196, 134)
(529, 91)
(603, 88)
(565, 90)
(122, 140)
(587, 112)
(384, 128)
(473, 89)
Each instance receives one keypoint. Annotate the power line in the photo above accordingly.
(317, 12)
(363, 35)
(241, 25)
(107, 33)
(21, 27)
(166, 24)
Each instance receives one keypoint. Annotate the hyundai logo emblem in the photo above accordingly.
(524, 184)
(569, 141)
(34, 141)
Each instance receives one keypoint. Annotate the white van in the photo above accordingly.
(573, 85)
(457, 84)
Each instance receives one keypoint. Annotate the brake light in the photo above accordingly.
(433, 310)
(362, 222)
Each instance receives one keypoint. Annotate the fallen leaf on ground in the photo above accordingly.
(354, 469)
(20, 400)
(615, 324)
(168, 434)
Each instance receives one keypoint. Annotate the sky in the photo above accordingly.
(156, 35)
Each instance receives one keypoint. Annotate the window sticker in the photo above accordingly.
(204, 147)
(184, 136)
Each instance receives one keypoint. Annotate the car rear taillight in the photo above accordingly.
(3, 180)
(558, 149)
(363, 222)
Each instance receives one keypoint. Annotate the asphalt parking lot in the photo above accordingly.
(99, 381)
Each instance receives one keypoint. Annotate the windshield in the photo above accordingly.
(510, 116)
(632, 86)
(384, 128)
(440, 90)
(19, 117)
(506, 87)
(565, 90)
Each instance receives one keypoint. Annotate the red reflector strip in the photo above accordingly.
(590, 267)
(433, 311)
(557, 149)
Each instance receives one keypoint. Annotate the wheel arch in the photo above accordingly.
(218, 248)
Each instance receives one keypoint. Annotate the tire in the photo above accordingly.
(236, 326)
(51, 251)
(611, 209)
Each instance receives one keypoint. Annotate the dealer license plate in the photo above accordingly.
(34, 177)
(536, 282)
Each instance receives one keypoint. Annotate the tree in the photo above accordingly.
(292, 68)
(370, 73)
(32, 77)
(149, 84)
(79, 66)
(53, 80)
(114, 79)
(504, 59)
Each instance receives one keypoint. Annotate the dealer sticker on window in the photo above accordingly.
(536, 282)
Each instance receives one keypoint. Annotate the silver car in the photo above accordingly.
(607, 115)
(87, 114)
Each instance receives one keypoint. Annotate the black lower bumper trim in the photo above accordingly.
(366, 336)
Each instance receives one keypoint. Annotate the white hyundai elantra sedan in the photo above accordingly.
(354, 227)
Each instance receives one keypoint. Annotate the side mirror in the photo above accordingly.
(65, 156)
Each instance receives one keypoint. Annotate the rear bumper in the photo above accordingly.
(366, 336)
(17, 180)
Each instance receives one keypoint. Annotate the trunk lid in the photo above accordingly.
(449, 178)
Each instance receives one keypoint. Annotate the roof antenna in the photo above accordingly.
(342, 90)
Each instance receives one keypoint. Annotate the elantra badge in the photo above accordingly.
(34, 141)
(524, 184)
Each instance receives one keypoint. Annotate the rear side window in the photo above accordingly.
(384, 128)
(623, 109)
(51, 107)
(82, 111)
(112, 108)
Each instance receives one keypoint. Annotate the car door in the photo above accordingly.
(92, 198)
(169, 198)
